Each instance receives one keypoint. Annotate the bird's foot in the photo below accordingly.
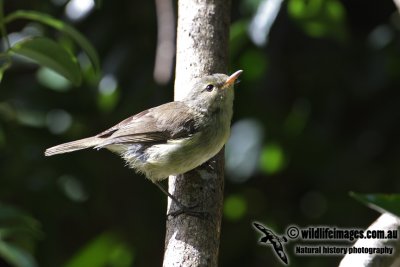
(182, 209)
(188, 210)
(208, 165)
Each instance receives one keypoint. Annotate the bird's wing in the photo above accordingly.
(158, 124)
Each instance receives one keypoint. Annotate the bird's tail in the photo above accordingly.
(73, 146)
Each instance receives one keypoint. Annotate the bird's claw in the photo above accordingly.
(188, 210)
(208, 165)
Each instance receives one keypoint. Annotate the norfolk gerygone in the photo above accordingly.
(172, 138)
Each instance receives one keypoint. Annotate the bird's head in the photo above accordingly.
(213, 92)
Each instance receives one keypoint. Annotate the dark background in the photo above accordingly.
(320, 103)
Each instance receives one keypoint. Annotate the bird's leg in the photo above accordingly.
(168, 194)
(208, 165)
(183, 209)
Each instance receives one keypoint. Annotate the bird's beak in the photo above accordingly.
(231, 79)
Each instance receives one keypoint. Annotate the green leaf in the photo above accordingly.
(3, 31)
(5, 63)
(13, 217)
(52, 80)
(235, 207)
(17, 233)
(15, 255)
(50, 54)
(63, 27)
(380, 202)
(320, 18)
(238, 37)
(108, 93)
(272, 158)
(105, 250)
(254, 63)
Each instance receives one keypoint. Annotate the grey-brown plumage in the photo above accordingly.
(172, 138)
(155, 125)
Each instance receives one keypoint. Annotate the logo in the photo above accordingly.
(271, 238)
(306, 237)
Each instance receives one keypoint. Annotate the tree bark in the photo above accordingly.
(202, 48)
(385, 223)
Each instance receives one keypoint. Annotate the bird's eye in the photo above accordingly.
(210, 87)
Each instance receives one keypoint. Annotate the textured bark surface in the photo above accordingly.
(384, 223)
(202, 48)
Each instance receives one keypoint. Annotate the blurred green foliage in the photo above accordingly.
(381, 202)
(45, 51)
(49, 54)
(105, 250)
(18, 232)
(234, 207)
(320, 18)
(322, 98)
(272, 158)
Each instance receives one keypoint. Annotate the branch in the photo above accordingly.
(165, 41)
(397, 3)
(202, 41)
(385, 222)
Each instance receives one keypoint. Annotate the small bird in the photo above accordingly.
(172, 138)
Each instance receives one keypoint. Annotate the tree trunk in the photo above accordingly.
(386, 222)
(202, 48)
